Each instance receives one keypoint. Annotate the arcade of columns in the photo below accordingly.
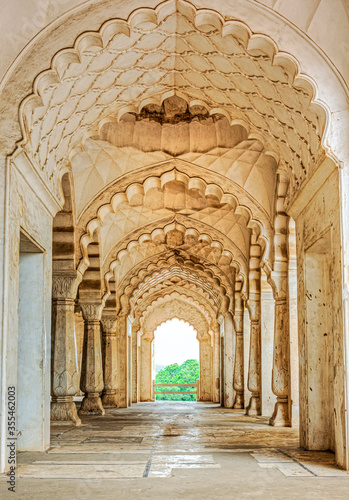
(179, 210)
(181, 162)
(172, 271)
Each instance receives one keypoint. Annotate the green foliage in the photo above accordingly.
(186, 373)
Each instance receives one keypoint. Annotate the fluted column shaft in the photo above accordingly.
(239, 353)
(281, 358)
(229, 340)
(109, 398)
(254, 305)
(135, 360)
(279, 281)
(91, 370)
(65, 373)
(122, 361)
(254, 372)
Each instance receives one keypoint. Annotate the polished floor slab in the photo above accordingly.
(171, 450)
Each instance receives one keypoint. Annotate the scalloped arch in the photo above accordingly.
(193, 293)
(166, 270)
(157, 241)
(167, 307)
(296, 122)
(168, 297)
(134, 194)
(207, 269)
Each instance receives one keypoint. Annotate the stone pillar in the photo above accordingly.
(293, 402)
(65, 372)
(279, 282)
(146, 366)
(239, 351)
(280, 377)
(216, 363)
(91, 371)
(135, 367)
(229, 341)
(254, 371)
(130, 320)
(205, 363)
(109, 398)
(79, 334)
(221, 340)
(268, 398)
(247, 339)
(122, 361)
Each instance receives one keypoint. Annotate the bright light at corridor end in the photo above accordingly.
(175, 342)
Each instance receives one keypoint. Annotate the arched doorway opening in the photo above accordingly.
(175, 360)
(179, 307)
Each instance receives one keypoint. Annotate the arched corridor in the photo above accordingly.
(183, 160)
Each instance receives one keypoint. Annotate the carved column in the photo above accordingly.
(146, 370)
(254, 305)
(91, 371)
(280, 376)
(279, 282)
(239, 350)
(229, 340)
(135, 361)
(65, 373)
(216, 363)
(109, 398)
(122, 360)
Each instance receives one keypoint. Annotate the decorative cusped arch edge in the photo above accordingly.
(135, 193)
(202, 19)
(212, 250)
(164, 308)
(166, 269)
(192, 293)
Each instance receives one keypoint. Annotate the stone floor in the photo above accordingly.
(169, 450)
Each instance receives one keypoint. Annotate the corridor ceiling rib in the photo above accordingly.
(176, 306)
(176, 236)
(173, 49)
(188, 292)
(197, 200)
(98, 164)
(169, 272)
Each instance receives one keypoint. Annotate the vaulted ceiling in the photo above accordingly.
(175, 125)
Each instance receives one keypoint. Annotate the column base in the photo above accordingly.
(254, 406)
(109, 400)
(63, 411)
(239, 401)
(91, 405)
(280, 416)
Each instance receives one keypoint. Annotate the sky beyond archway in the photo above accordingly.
(175, 342)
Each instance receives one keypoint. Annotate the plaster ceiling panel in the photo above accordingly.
(110, 72)
(173, 236)
(100, 157)
(127, 219)
(104, 161)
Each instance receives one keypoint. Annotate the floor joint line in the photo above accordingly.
(296, 461)
(148, 465)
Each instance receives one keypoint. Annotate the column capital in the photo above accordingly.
(92, 311)
(109, 325)
(65, 286)
(278, 280)
(238, 319)
(253, 306)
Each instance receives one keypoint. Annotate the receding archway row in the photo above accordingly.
(260, 91)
